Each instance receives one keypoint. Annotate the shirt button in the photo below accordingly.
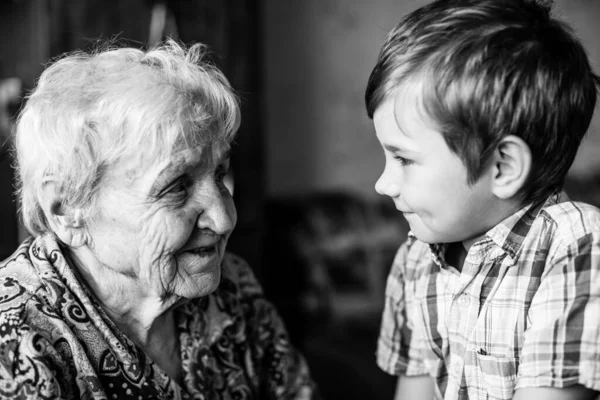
(464, 300)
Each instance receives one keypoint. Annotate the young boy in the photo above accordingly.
(480, 107)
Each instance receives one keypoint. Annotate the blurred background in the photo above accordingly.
(317, 235)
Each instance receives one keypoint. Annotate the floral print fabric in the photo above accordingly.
(56, 341)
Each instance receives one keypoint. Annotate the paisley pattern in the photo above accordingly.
(56, 341)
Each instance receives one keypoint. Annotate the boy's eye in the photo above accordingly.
(402, 160)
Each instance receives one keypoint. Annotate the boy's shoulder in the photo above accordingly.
(561, 229)
(565, 224)
(411, 258)
(572, 218)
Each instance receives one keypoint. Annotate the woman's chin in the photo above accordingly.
(191, 263)
(200, 274)
(203, 285)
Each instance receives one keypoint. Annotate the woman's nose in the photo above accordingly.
(218, 212)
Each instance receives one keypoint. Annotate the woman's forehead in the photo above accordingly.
(177, 161)
(196, 156)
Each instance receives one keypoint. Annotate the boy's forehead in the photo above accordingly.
(403, 123)
(405, 107)
(390, 133)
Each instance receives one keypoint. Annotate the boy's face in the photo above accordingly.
(426, 181)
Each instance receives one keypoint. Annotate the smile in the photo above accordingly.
(204, 250)
(207, 245)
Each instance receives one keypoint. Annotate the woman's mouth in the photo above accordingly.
(204, 250)
(202, 257)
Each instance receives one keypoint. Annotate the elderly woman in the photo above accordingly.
(124, 289)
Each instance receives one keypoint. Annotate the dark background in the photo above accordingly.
(306, 159)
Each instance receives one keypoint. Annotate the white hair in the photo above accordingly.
(91, 110)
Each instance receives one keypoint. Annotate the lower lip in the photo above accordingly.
(205, 253)
(202, 259)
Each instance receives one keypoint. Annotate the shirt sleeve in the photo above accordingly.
(561, 346)
(399, 351)
(283, 371)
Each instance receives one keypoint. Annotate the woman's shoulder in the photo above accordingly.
(21, 340)
(19, 257)
(18, 279)
(29, 294)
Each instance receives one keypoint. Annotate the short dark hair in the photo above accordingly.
(492, 68)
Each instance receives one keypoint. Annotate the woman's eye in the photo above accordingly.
(402, 160)
(220, 174)
(179, 187)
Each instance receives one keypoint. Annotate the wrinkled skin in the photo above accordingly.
(149, 224)
(157, 236)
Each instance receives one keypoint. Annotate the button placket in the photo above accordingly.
(464, 300)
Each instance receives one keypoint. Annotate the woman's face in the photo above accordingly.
(166, 225)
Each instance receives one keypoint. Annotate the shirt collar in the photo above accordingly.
(509, 234)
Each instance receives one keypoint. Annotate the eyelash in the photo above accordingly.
(220, 173)
(179, 186)
(402, 160)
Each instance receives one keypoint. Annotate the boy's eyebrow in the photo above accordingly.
(395, 149)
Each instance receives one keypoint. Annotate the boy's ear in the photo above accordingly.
(67, 223)
(511, 167)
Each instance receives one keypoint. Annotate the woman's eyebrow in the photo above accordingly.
(224, 156)
(172, 168)
(170, 171)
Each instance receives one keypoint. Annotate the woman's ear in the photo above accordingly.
(67, 223)
(511, 167)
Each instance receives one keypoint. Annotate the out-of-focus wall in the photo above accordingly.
(318, 55)
(583, 16)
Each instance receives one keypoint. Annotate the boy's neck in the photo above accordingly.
(467, 244)
(455, 255)
(457, 252)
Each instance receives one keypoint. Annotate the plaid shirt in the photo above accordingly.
(524, 311)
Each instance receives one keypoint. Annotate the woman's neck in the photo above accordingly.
(147, 319)
(140, 314)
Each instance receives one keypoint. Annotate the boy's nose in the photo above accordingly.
(387, 187)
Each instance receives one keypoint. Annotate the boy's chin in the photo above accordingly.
(429, 237)
(436, 239)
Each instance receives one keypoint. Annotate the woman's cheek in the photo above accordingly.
(155, 236)
(181, 229)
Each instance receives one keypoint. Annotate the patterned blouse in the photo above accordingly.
(56, 341)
